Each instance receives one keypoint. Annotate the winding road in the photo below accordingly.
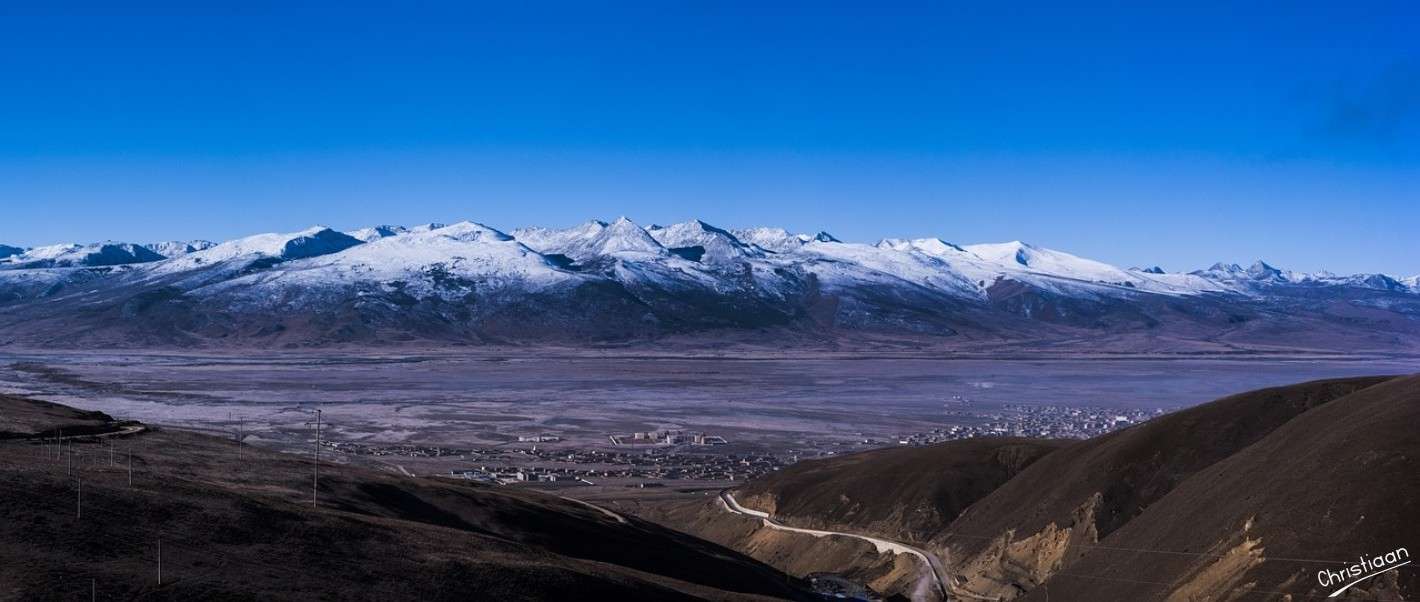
(124, 431)
(935, 570)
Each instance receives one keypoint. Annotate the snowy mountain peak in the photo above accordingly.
(374, 233)
(591, 239)
(1016, 256)
(1259, 270)
(311, 242)
(608, 277)
(7, 251)
(70, 255)
(624, 236)
(1015, 252)
(935, 247)
(777, 240)
(699, 241)
(695, 225)
(178, 248)
(471, 232)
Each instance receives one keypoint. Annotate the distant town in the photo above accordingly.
(656, 462)
(1039, 421)
(651, 458)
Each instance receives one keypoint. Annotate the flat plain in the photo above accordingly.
(762, 403)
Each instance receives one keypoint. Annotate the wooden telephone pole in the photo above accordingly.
(315, 464)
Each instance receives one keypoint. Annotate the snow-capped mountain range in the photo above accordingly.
(620, 281)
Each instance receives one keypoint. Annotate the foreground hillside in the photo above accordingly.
(245, 529)
(909, 493)
(903, 494)
(1247, 497)
(690, 283)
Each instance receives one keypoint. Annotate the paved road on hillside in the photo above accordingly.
(131, 429)
(935, 570)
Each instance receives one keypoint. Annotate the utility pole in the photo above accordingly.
(79, 502)
(160, 562)
(130, 464)
(315, 466)
(110, 451)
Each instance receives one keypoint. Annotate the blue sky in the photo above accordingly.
(1176, 136)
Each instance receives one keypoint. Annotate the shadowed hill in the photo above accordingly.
(908, 493)
(1129, 469)
(1246, 496)
(26, 418)
(900, 493)
(1029, 528)
(245, 529)
(1337, 482)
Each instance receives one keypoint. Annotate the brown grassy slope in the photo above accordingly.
(245, 530)
(23, 418)
(905, 493)
(1044, 515)
(1337, 482)
(793, 553)
(1130, 469)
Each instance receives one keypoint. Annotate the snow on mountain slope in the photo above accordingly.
(699, 241)
(1017, 255)
(178, 248)
(935, 247)
(376, 232)
(1242, 279)
(71, 255)
(310, 242)
(554, 240)
(619, 279)
(621, 237)
(1017, 259)
(840, 263)
(1370, 281)
(447, 261)
(775, 240)
(385, 231)
(593, 239)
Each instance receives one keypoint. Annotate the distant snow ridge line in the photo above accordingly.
(70, 255)
(609, 280)
(178, 248)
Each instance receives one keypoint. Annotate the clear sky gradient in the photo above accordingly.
(1172, 136)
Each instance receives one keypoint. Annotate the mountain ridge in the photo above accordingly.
(619, 281)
